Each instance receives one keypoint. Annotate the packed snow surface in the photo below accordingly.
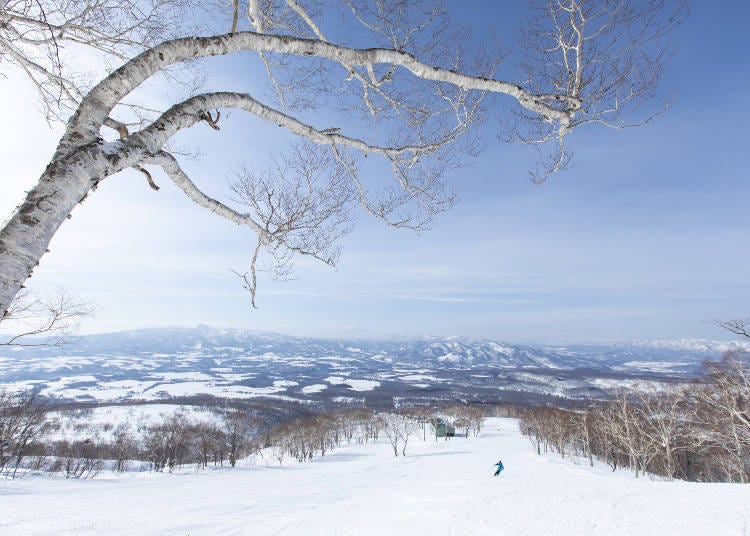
(440, 487)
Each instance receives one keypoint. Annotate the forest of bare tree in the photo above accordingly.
(32, 439)
(699, 432)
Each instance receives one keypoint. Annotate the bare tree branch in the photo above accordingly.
(608, 54)
(584, 63)
(739, 327)
(43, 321)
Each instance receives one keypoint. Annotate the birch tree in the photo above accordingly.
(400, 64)
(664, 428)
(398, 427)
(239, 429)
(22, 423)
(724, 405)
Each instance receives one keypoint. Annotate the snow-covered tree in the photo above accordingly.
(398, 428)
(239, 428)
(724, 406)
(22, 424)
(402, 64)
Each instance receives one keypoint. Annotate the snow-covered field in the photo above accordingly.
(100, 422)
(443, 487)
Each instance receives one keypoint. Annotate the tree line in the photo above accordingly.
(29, 438)
(700, 432)
(304, 438)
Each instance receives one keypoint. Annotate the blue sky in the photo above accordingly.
(645, 237)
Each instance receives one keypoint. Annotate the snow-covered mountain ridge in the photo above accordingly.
(455, 350)
(163, 363)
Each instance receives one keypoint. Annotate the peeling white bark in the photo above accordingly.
(64, 184)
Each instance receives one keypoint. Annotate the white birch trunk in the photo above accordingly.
(64, 184)
(26, 236)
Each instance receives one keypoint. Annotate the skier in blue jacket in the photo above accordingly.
(500, 467)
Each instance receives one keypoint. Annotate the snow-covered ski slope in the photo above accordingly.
(443, 487)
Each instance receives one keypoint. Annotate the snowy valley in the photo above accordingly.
(196, 365)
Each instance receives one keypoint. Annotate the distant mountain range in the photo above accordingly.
(168, 363)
